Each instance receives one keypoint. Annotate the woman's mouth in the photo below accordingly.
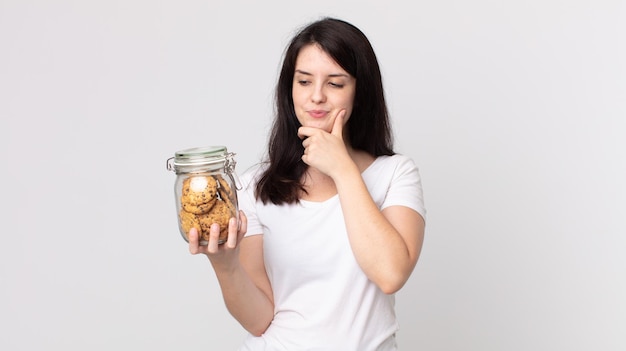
(317, 113)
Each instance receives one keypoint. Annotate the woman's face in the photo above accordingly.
(321, 88)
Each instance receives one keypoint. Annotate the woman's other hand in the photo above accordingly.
(325, 151)
(220, 254)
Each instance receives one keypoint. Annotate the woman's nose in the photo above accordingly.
(318, 96)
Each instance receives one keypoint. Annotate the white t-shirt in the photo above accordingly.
(322, 298)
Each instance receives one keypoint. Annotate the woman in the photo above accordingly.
(332, 224)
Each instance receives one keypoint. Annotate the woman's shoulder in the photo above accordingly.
(251, 174)
(394, 161)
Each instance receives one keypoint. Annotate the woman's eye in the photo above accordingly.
(336, 85)
(303, 82)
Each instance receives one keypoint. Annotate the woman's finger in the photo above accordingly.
(192, 237)
(231, 241)
(243, 225)
(338, 124)
(214, 237)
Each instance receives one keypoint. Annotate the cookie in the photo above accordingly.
(199, 190)
(199, 209)
(226, 193)
(220, 214)
(224, 189)
(188, 221)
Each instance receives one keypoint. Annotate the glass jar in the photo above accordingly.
(205, 190)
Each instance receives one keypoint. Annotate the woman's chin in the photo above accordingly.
(318, 124)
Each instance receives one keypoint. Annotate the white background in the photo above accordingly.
(513, 110)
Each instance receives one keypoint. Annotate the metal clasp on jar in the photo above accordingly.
(229, 168)
(169, 164)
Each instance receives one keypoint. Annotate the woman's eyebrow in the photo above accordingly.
(333, 75)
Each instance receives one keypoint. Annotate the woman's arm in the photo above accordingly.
(386, 243)
(240, 271)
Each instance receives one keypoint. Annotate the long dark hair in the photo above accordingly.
(368, 128)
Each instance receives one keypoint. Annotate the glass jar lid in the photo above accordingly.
(201, 157)
(204, 159)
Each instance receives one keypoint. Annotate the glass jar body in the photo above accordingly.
(205, 192)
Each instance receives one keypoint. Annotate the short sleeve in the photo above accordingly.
(405, 187)
(248, 202)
